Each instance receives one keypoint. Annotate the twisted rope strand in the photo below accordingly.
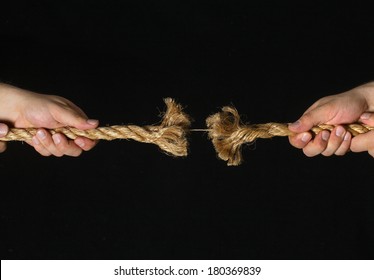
(170, 135)
(225, 130)
(228, 134)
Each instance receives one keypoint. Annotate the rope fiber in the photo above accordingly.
(225, 129)
(228, 134)
(169, 135)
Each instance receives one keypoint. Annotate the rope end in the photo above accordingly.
(173, 129)
(224, 127)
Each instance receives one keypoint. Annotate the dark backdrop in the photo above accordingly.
(127, 200)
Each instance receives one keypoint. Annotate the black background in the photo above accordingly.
(127, 200)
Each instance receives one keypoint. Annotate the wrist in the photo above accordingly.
(10, 102)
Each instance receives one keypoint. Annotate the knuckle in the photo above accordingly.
(87, 148)
(306, 118)
(292, 141)
(73, 151)
(2, 147)
(321, 145)
(46, 143)
(341, 151)
(45, 154)
(77, 154)
(42, 151)
(309, 153)
(354, 148)
(371, 152)
(327, 153)
(62, 146)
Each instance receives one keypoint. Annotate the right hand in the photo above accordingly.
(344, 108)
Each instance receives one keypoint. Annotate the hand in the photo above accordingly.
(365, 142)
(3, 132)
(352, 106)
(29, 109)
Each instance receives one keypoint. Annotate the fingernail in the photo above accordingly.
(35, 140)
(325, 135)
(79, 142)
(41, 134)
(3, 129)
(295, 124)
(306, 137)
(56, 139)
(92, 122)
(365, 116)
(339, 131)
(347, 136)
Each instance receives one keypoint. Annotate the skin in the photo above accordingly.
(355, 105)
(21, 109)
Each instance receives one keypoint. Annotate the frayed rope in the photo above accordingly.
(225, 129)
(228, 134)
(170, 135)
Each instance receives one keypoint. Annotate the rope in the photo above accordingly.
(225, 130)
(228, 134)
(170, 135)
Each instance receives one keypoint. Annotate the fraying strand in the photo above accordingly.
(228, 134)
(225, 129)
(170, 135)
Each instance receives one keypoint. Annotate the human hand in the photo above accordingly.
(348, 107)
(3, 132)
(29, 109)
(364, 142)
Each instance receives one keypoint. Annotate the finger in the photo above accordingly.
(47, 142)
(30, 142)
(2, 146)
(77, 109)
(65, 146)
(363, 142)
(367, 118)
(73, 118)
(318, 145)
(85, 143)
(3, 129)
(335, 140)
(39, 147)
(300, 140)
(345, 146)
(316, 104)
(311, 118)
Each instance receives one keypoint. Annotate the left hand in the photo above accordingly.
(29, 109)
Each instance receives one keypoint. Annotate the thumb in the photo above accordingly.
(363, 142)
(74, 119)
(367, 118)
(309, 119)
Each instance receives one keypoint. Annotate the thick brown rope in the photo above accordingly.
(225, 130)
(228, 134)
(170, 135)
